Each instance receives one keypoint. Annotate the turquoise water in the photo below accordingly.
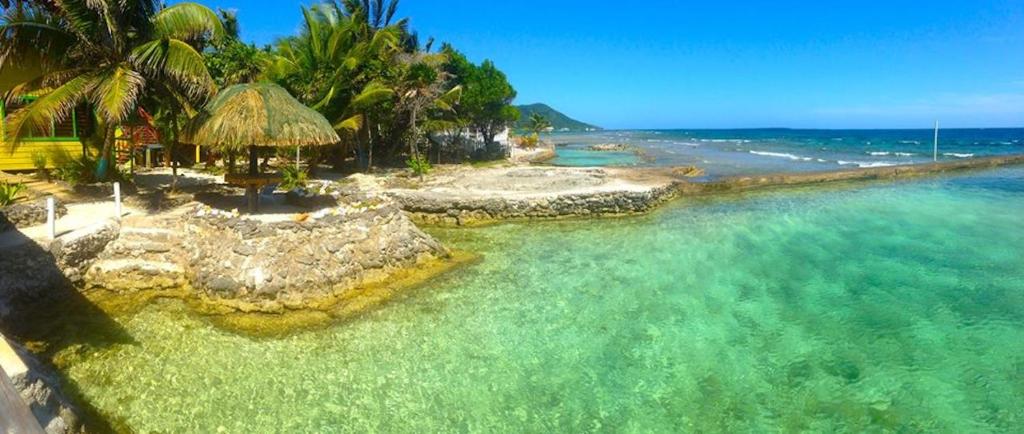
(578, 156)
(753, 151)
(881, 308)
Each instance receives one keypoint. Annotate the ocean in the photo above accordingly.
(751, 151)
(878, 307)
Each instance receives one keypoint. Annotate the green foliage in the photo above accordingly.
(9, 193)
(114, 55)
(419, 165)
(293, 177)
(232, 62)
(528, 142)
(538, 123)
(486, 94)
(39, 161)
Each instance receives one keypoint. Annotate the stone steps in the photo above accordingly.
(135, 274)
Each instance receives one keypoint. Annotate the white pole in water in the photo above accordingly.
(936, 152)
(117, 200)
(51, 218)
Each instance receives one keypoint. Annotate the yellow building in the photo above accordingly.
(63, 137)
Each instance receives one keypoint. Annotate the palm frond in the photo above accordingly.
(371, 95)
(177, 60)
(449, 99)
(353, 123)
(117, 93)
(54, 106)
(188, 22)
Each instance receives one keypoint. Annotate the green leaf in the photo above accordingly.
(53, 106)
(188, 22)
(177, 60)
(117, 94)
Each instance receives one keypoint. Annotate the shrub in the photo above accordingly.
(39, 161)
(10, 192)
(293, 177)
(419, 165)
(528, 142)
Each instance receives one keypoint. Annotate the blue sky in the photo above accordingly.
(722, 64)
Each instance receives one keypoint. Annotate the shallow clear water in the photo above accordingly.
(752, 151)
(578, 156)
(885, 307)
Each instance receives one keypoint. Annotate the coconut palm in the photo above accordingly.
(539, 123)
(108, 53)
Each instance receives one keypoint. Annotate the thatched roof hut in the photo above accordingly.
(258, 114)
(254, 116)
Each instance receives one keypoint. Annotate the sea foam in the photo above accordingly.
(866, 163)
(781, 155)
(957, 155)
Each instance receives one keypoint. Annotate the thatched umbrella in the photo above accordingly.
(258, 115)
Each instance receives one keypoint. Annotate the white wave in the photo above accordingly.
(866, 163)
(957, 155)
(781, 155)
(910, 142)
(884, 153)
(726, 140)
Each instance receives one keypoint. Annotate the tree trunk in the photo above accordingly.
(108, 143)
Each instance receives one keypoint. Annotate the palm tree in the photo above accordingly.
(539, 123)
(338, 64)
(107, 53)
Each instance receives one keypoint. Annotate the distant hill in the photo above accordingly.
(558, 120)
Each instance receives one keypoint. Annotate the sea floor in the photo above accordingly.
(881, 307)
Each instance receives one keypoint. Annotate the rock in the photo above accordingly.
(40, 388)
(244, 250)
(27, 214)
(76, 250)
(310, 260)
(610, 147)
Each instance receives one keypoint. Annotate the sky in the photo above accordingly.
(731, 64)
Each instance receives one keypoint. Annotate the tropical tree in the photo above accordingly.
(109, 54)
(231, 61)
(538, 123)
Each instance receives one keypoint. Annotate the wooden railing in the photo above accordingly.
(15, 416)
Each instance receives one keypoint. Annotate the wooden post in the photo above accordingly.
(51, 218)
(197, 154)
(251, 190)
(117, 200)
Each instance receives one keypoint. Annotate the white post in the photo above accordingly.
(936, 152)
(298, 155)
(117, 200)
(51, 218)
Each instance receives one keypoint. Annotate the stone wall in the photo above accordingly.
(468, 212)
(30, 271)
(23, 215)
(40, 388)
(254, 266)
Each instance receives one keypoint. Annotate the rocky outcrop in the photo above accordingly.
(268, 267)
(40, 388)
(448, 211)
(610, 147)
(23, 215)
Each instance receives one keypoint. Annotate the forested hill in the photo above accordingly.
(558, 120)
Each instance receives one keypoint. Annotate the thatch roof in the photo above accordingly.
(260, 114)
